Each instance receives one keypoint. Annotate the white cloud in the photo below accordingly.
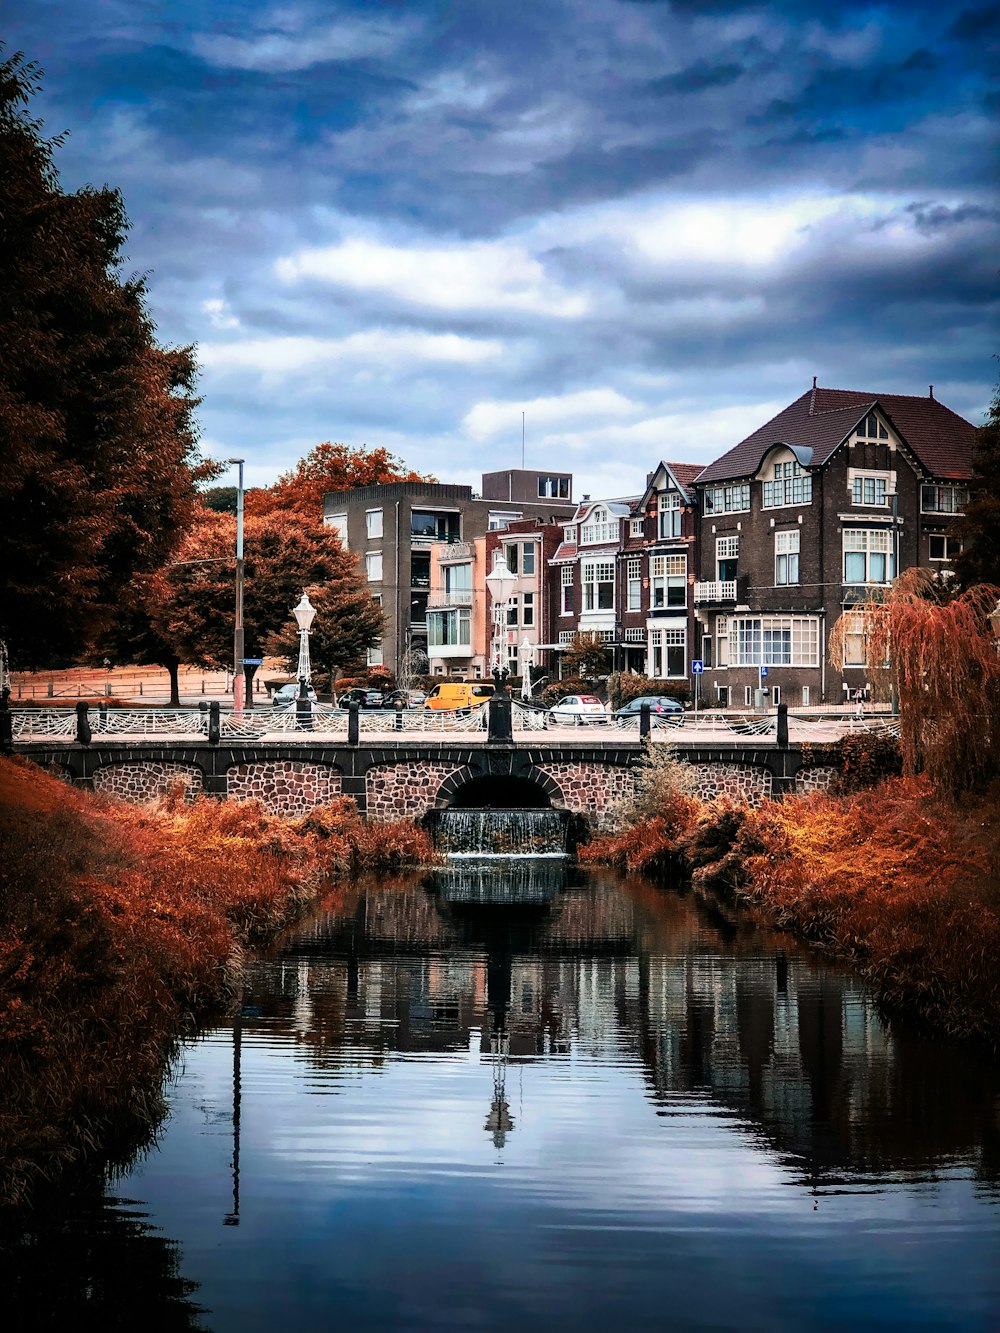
(218, 316)
(378, 347)
(281, 49)
(494, 418)
(478, 276)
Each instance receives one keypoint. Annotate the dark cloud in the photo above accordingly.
(696, 77)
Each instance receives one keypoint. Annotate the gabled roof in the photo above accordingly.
(822, 419)
(683, 475)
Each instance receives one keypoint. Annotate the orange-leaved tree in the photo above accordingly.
(285, 554)
(329, 467)
(936, 649)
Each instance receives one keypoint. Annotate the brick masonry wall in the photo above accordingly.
(591, 789)
(814, 779)
(285, 786)
(404, 791)
(740, 781)
(145, 781)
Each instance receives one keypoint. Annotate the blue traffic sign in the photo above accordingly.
(697, 667)
(253, 661)
(763, 672)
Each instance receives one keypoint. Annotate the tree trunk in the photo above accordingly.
(173, 671)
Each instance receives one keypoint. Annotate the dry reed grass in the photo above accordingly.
(118, 929)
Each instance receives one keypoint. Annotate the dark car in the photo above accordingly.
(362, 697)
(663, 710)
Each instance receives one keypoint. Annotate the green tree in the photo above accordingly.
(979, 530)
(285, 554)
(98, 461)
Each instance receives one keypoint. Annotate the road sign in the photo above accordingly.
(253, 661)
(697, 667)
(763, 672)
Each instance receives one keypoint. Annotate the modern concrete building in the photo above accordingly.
(393, 527)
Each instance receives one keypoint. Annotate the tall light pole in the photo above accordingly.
(304, 613)
(501, 583)
(239, 679)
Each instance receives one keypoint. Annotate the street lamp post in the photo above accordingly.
(304, 613)
(527, 652)
(239, 678)
(501, 584)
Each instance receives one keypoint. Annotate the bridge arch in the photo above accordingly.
(529, 788)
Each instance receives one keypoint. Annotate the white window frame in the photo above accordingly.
(667, 575)
(951, 547)
(373, 524)
(669, 519)
(566, 597)
(373, 566)
(338, 524)
(786, 557)
(527, 608)
(667, 653)
(774, 641)
(636, 527)
(599, 530)
(872, 545)
(732, 499)
(871, 490)
(597, 574)
(633, 574)
(790, 484)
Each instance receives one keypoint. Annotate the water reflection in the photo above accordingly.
(556, 1100)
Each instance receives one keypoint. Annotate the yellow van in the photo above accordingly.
(460, 694)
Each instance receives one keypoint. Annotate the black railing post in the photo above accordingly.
(214, 723)
(643, 721)
(501, 722)
(82, 724)
(353, 724)
(399, 715)
(782, 726)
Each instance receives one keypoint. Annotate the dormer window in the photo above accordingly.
(670, 514)
(599, 528)
(872, 428)
(791, 485)
(569, 533)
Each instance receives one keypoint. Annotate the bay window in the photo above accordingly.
(668, 580)
(868, 556)
(598, 585)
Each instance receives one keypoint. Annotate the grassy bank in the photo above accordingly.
(904, 885)
(120, 927)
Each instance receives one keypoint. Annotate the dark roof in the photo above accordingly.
(823, 418)
(685, 472)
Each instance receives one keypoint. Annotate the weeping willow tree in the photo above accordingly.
(937, 652)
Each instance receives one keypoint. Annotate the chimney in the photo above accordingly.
(812, 397)
(930, 388)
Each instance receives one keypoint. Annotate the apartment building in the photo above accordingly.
(807, 517)
(393, 528)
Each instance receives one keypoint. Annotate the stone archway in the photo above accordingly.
(527, 788)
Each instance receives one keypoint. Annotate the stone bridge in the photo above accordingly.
(389, 780)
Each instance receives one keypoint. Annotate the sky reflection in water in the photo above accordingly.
(607, 1105)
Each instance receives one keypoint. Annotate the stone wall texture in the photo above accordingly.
(287, 787)
(591, 789)
(147, 779)
(814, 779)
(404, 791)
(743, 782)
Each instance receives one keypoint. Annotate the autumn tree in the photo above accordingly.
(98, 462)
(329, 467)
(979, 529)
(586, 656)
(934, 647)
(285, 553)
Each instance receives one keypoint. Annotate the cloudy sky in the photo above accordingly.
(643, 225)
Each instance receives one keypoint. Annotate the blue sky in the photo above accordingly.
(644, 225)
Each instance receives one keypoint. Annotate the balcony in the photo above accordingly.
(460, 597)
(456, 551)
(717, 592)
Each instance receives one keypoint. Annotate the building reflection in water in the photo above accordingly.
(581, 961)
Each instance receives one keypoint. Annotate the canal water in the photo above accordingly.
(540, 1098)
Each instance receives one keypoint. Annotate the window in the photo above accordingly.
(786, 557)
(599, 529)
(870, 488)
(706, 650)
(722, 692)
(458, 578)
(431, 526)
(670, 514)
(499, 520)
(791, 486)
(528, 558)
(668, 581)
(566, 635)
(868, 556)
(633, 570)
(636, 527)
(805, 696)
(338, 522)
(943, 548)
(722, 641)
(375, 653)
(553, 488)
(854, 639)
(512, 610)
(635, 635)
(510, 555)
(757, 641)
(373, 523)
(727, 499)
(727, 551)
(527, 608)
(567, 590)
(943, 499)
(872, 428)
(569, 534)
(447, 629)
(668, 652)
(373, 566)
(598, 585)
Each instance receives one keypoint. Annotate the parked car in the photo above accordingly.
(364, 698)
(663, 710)
(579, 709)
(286, 695)
(408, 698)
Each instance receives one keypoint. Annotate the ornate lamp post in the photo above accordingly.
(239, 677)
(527, 655)
(501, 584)
(304, 613)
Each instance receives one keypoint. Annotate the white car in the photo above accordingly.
(286, 695)
(579, 710)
